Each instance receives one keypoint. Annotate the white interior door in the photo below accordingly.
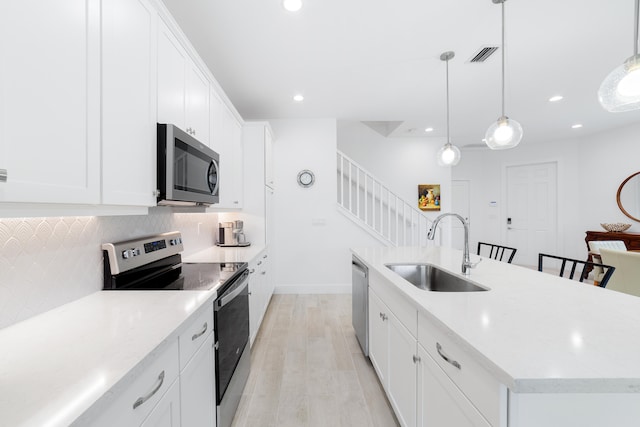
(531, 215)
(460, 205)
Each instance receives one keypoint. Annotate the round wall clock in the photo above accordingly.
(306, 178)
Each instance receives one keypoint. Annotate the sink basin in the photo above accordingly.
(431, 278)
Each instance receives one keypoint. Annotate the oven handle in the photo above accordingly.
(237, 290)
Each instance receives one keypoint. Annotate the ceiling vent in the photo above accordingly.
(483, 54)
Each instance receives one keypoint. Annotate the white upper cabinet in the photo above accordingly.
(171, 78)
(50, 101)
(229, 146)
(183, 90)
(129, 30)
(269, 178)
(197, 111)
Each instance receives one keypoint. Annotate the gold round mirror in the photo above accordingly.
(628, 197)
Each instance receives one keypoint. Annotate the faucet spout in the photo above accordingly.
(467, 265)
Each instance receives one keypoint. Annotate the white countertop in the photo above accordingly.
(225, 254)
(533, 331)
(56, 366)
(66, 364)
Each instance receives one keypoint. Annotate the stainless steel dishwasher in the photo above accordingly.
(360, 303)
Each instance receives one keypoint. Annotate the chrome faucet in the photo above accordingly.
(467, 265)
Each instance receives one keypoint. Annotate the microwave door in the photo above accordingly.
(188, 170)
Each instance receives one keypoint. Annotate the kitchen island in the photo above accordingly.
(560, 352)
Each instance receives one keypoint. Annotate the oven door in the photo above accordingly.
(191, 169)
(232, 331)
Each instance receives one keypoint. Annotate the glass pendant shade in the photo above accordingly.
(503, 134)
(620, 91)
(448, 155)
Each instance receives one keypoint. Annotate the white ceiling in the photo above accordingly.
(378, 60)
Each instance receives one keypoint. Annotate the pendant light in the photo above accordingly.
(505, 132)
(449, 154)
(620, 91)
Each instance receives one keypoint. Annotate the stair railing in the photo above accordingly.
(374, 207)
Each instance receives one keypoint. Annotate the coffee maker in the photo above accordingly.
(231, 233)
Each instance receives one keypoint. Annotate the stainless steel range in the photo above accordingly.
(155, 263)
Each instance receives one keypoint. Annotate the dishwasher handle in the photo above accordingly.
(358, 269)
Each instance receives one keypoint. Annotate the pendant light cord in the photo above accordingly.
(635, 31)
(503, 55)
(448, 138)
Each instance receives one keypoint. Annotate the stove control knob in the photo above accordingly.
(135, 251)
(127, 254)
(174, 242)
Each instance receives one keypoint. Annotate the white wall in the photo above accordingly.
(47, 262)
(590, 169)
(312, 241)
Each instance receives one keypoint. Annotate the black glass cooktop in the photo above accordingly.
(169, 274)
(205, 276)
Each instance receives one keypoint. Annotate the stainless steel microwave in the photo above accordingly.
(188, 171)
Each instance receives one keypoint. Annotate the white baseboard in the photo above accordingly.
(313, 289)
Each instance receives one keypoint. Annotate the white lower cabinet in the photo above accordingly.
(379, 337)
(260, 291)
(197, 376)
(136, 402)
(440, 402)
(402, 378)
(167, 412)
(176, 387)
(428, 379)
(197, 388)
(392, 350)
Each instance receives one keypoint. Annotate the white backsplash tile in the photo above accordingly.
(47, 262)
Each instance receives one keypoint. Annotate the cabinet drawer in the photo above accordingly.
(147, 386)
(481, 388)
(195, 334)
(403, 309)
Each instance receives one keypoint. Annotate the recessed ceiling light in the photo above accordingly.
(556, 98)
(576, 126)
(298, 98)
(428, 130)
(292, 5)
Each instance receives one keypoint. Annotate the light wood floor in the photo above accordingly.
(307, 369)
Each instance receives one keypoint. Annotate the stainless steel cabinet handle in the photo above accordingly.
(416, 359)
(259, 262)
(264, 272)
(264, 256)
(252, 271)
(445, 357)
(143, 399)
(235, 202)
(383, 316)
(3, 175)
(199, 334)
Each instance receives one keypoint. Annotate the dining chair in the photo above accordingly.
(594, 254)
(573, 265)
(497, 252)
(627, 265)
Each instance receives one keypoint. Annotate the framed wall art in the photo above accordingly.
(429, 197)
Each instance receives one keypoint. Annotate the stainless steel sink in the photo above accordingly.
(431, 278)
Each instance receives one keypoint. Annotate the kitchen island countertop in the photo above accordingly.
(533, 331)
